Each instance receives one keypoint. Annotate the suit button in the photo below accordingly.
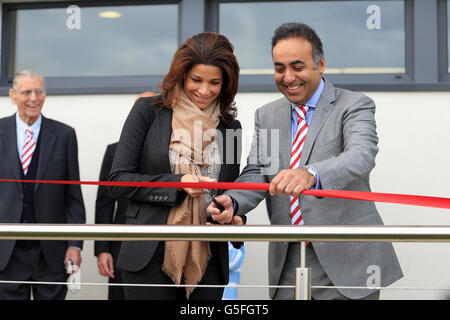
(25, 205)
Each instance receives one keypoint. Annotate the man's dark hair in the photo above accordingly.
(300, 30)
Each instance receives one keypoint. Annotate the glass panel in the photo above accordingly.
(94, 41)
(448, 36)
(357, 36)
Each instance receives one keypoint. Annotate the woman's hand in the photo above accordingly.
(194, 192)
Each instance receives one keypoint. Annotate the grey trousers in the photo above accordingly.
(318, 277)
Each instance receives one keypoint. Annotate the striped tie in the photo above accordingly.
(297, 146)
(27, 151)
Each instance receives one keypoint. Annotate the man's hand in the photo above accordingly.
(105, 264)
(146, 94)
(291, 182)
(226, 216)
(237, 221)
(74, 255)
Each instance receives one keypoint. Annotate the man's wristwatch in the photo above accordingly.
(312, 172)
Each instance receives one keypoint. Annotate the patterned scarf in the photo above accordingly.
(193, 130)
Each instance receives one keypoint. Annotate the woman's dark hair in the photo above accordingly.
(208, 48)
(300, 30)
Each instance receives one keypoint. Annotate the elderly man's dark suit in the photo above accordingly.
(55, 158)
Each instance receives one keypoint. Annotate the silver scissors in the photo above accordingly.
(212, 193)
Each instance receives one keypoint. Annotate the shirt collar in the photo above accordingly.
(22, 126)
(312, 102)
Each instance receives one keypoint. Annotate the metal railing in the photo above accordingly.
(226, 233)
(232, 233)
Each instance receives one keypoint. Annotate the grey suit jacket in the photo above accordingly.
(341, 144)
(54, 203)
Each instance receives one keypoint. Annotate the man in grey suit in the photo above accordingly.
(33, 147)
(338, 152)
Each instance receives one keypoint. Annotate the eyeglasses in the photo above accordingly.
(40, 92)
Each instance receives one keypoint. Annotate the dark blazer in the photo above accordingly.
(53, 203)
(142, 155)
(106, 211)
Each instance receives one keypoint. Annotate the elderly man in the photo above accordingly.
(33, 147)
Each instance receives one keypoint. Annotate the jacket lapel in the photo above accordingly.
(318, 119)
(48, 138)
(8, 145)
(163, 120)
(221, 143)
(284, 124)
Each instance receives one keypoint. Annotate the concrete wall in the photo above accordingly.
(414, 154)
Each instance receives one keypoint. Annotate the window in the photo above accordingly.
(365, 37)
(448, 36)
(368, 44)
(100, 41)
(91, 45)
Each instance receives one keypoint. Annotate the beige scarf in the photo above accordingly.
(193, 130)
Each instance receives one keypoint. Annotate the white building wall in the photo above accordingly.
(414, 154)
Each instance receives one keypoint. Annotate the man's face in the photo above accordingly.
(29, 96)
(295, 74)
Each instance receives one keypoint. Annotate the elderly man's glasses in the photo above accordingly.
(38, 92)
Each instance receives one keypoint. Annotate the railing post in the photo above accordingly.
(303, 277)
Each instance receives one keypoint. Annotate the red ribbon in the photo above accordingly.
(423, 201)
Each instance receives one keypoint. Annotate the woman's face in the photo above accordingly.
(202, 84)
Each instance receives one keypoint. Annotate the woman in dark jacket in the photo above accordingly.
(186, 133)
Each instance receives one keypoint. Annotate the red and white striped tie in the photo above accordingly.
(27, 151)
(296, 153)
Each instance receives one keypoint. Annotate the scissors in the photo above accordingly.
(212, 193)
